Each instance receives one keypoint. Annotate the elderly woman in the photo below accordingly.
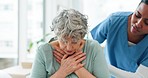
(70, 56)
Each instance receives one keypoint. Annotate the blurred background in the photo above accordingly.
(24, 23)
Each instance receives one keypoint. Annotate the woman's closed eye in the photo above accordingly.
(137, 15)
(74, 42)
(146, 22)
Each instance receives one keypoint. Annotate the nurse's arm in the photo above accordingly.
(141, 72)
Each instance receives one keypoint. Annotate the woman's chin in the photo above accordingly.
(69, 53)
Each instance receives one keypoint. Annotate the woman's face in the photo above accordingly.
(69, 45)
(139, 20)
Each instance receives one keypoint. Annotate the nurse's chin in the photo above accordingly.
(134, 31)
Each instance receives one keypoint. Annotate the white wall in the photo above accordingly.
(98, 10)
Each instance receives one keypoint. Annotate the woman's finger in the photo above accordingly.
(76, 54)
(59, 61)
(80, 56)
(59, 50)
(65, 56)
(57, 53)
(57, 57)
(81, 59)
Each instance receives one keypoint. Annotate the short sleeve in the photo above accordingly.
(100, 32)
(145, 63)
(100, 68)
(38, 69)
(145, 58)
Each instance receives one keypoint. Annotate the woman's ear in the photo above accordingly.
(81, 45)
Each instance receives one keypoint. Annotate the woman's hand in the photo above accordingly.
(77, 56)
(59, 53)
(71, 63)
(55, 45)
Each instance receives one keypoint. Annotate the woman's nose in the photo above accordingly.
(139, 23)
(69, 47)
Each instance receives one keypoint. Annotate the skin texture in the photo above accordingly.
(138, 24)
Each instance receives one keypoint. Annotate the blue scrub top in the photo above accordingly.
(120, 55)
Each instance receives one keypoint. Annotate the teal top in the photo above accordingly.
(45, 64)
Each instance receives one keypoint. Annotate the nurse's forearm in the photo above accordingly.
(140, 73)
(119, 73)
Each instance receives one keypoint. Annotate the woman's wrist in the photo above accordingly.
(79, 70)
(83, 73)
(59, 74)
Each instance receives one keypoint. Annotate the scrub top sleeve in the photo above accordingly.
(145, 62)
(100, 32)
(100, 68)
(145, 58)
(38, 69)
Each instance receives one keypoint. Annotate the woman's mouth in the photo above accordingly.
(69, 52)
(134, 29)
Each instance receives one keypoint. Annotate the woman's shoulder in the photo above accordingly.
(54, 44)
(92, 47)
(45, 51)
(45, 48)
(92, 42)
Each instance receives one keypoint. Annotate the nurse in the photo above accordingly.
(127, 41)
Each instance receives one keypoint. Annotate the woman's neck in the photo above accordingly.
(54, 43)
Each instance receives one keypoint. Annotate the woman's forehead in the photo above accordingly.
(143, 9)
(69, 38)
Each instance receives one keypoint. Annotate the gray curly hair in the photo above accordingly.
(70, 23)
